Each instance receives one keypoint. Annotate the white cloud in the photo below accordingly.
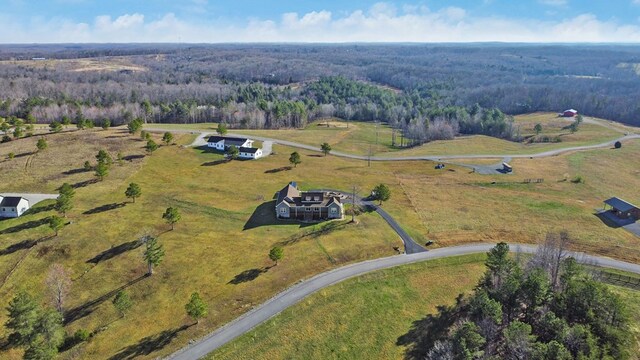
(380, 23)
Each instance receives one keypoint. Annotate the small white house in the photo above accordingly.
(13, 206)
(222, 143)
(249, 153)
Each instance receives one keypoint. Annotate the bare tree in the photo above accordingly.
(550, 254)
(58, 284)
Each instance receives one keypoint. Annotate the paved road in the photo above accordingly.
(33, 198)
(412, 158)
(305, 288)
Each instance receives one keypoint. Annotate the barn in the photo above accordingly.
(570, 113)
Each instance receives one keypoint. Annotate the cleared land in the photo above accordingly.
(358, 137)
(368, 317)
(110, 64)
(219, 248)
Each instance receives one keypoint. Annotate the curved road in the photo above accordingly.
(200, 141)
(305, 288)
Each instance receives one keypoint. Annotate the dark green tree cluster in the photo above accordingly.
(38, 330)
(548, 308)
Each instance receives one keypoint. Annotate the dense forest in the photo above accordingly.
(426, 92)
(548, 307)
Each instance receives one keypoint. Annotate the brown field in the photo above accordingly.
(220, 247)
(111, 64)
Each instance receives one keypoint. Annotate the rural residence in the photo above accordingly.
(570, 113)
(294, 204)
(13, 206)
(244, 145)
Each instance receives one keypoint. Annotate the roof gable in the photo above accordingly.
(11, 201)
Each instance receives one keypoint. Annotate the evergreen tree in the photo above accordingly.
(326, 148)
(122, 302)
(153, 254)
(133, 191)
(151, 146)
(56, 223)
(295, 159)
(22, 318)
(196, 308)
(276, 254)
(172, 216)
(167, 138)
(42, 144)
(222, 129)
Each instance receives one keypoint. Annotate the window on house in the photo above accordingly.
(316, 198)
(334, 210)
(308, 209)
(316, 209)
(283, 210)
(308, 198)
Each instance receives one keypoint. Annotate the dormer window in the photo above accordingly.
(316, 198)
(308, 198)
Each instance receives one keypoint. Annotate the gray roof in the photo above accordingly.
(620, 204)
(228, 141)
(248, 150)
(294, 197)
(288, 192)
(11, 201)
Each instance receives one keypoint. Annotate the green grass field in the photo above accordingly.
(366, 317)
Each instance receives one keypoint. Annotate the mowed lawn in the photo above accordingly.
(219, 248)
(369, 316)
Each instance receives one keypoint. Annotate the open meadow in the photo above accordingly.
(220, 247)
(360, 138)
(372, 316)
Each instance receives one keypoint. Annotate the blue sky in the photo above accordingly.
(319, 21)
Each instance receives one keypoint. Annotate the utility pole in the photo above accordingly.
(353, 204)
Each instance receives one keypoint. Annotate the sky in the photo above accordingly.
(217, 21)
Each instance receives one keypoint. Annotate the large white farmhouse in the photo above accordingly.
(13, 206)
(244, 145)
(223, 143)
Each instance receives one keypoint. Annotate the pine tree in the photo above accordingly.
(196, 308)
(153, 254)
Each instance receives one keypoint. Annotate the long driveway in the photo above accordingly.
(410, 245)
(305, 288)
(199, 141)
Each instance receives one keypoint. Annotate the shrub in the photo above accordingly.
(81, 335)
(617, 145)
(578, 179)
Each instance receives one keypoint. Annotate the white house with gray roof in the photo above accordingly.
(244, 145)
(13, 206)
